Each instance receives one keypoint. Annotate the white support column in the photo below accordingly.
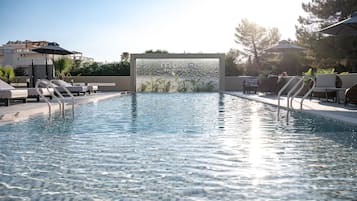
(222, 73)
(133, 73)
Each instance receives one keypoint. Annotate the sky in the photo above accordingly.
(103, 29)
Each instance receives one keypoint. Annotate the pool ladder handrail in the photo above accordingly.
(42, 96)
(283, 89)
(308, 92)
(49, 85)
(68, 92)
(60, 100)
(290, 96)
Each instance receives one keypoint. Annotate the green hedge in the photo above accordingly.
(95, 69)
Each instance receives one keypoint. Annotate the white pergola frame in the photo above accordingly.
(219, 56)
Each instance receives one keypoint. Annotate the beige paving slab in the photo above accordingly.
(20, 111)
(334, 111)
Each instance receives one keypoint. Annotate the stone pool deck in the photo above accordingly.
(20, 111)
(332, 111)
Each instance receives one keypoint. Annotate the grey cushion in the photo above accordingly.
(348, 80)
(13, 93)
(61, 83)
(326, 80)
(73, 89)
(322, 89)
(43, 85)
(46, 92)
(92, 88)
(9, 92)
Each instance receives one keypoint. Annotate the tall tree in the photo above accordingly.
(233, 64)
(254, 39)
(329, 50)
(124, 57)
(156, 51)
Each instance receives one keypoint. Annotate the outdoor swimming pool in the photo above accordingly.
(177, 146)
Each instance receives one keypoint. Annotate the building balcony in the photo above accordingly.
(29, 61)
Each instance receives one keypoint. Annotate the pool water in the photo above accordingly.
(177, 146)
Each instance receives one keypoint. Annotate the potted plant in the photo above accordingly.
(62, 66)
(7, 73)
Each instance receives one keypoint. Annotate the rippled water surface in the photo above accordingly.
(202, 146)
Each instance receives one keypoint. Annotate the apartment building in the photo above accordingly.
(19, 54)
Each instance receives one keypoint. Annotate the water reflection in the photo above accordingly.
(133, 112)
(255, 146)
(173, 146)
(221, 109)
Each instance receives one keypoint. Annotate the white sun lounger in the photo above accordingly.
(73, 89)
(8, 93)
(90, 88)
(32, 93)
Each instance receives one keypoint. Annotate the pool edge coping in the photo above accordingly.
(42, 108)
(308, 109)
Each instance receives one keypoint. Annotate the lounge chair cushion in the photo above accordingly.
(348, 80)
(62, 83)
(73, 89)
(323, 89)
(92, 88)
(351, 95)
(13, 93)
(326, 81)
(79, 84)
(33, 93)
(9, 92)
(4, 85)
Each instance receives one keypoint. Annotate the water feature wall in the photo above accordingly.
(177, 75)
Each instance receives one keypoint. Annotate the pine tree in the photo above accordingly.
(327, 51)
(254, 39)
